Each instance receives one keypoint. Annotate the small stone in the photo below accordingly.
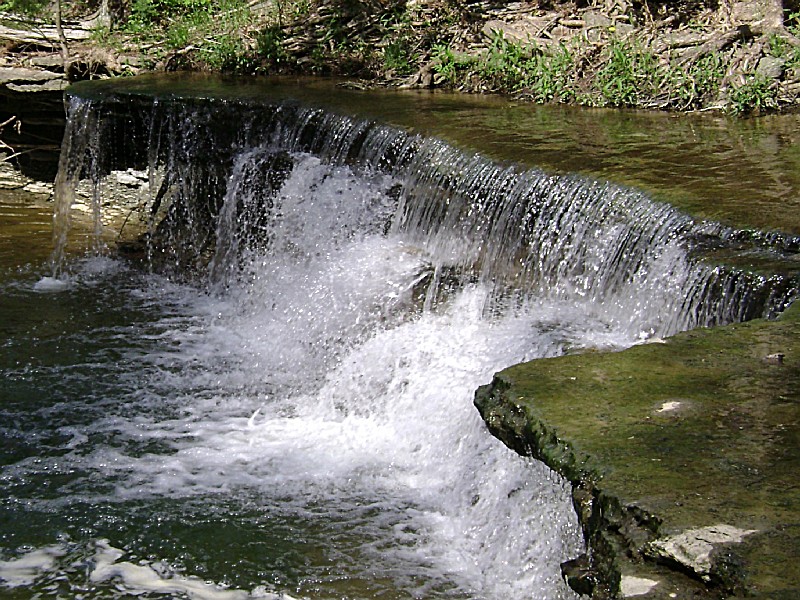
(771, 67)
(594, 18)
(775, 359)
(53, 85)
(635, 586)
(693, 548)
(40, 188)
(51, 61)
(23, 76)
(130, 178)
(132, 61)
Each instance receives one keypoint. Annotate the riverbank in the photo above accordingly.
(683, 457)
(736, 57)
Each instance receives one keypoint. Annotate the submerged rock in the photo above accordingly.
(12, 178)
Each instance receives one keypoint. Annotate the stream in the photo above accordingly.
(273, 399)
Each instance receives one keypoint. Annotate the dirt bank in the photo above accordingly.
(727, 55)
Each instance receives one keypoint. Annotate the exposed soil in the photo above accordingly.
(739, 56)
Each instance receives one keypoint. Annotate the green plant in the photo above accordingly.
(707, 73)
(30, 8)
(396, 57)
(793, 60)
(449, 65)
(548, 75)
(510, 66)
(318, 58)
(506, 62)
(102, 35)
(778, 47)
(146, 13)
(700, 80)
(179, 35)
(628, 69)
(793, 22)
(399, 40)
(301, 8)
(756, 94)
(445, 63)
(269, 44)
(228, 54)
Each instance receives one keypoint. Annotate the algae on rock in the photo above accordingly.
(659, 440)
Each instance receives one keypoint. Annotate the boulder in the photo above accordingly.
(771, 67)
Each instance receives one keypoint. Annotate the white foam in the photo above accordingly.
(144, 578)
(26, 569)
(315, 380)
(106, 566)
(51, 284)
(392, 420)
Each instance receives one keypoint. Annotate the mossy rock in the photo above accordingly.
(700, 431)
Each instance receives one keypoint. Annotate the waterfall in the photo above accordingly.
(352, 285)
(524, 231)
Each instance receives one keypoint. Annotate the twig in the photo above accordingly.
(3, 145)
(16, 154)
(8, 122)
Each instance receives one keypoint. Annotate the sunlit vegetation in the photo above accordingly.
(657, 55)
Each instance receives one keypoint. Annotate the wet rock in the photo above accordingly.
(631, 586)
(579, 575)
(695, 549)
(43, 189)
(131, 178)
(12, 179)
(677, 453)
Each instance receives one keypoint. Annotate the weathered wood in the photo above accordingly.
(43, 35)
(719, 43)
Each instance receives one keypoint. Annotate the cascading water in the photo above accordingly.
(286, 406)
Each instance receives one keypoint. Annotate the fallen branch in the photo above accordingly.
(719, 43)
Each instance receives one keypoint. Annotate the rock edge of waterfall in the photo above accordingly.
(682, 456)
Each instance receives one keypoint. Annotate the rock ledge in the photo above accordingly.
(694, 500)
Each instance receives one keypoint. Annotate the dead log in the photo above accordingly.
(718, 43)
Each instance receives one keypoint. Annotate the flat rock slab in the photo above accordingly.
(689, 450)
(42, 34)
(21, 79)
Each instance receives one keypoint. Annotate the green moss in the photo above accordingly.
(728, 450)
